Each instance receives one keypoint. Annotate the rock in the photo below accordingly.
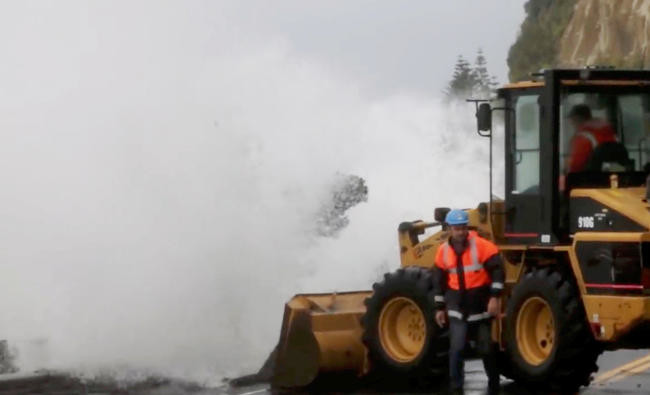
(347, 191)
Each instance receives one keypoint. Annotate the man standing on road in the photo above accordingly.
(468, 281)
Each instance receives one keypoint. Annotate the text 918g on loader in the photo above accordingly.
(576, 247)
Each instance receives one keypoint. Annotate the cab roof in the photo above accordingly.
(536, 84)
(523, 84)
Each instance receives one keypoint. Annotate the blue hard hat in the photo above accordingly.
(457, 217)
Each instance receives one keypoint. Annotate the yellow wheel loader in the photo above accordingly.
(575, 242)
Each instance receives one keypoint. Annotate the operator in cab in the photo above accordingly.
(468, 281)
(589, 133)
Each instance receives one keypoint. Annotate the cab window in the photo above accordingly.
(525, 155)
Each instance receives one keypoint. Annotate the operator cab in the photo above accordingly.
(550, 150)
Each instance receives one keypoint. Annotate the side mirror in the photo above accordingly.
(484, 117)
(439, 214)
(483, 212)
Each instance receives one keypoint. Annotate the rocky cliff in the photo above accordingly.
(607, 32)
(575, 33)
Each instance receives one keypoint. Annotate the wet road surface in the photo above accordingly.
(621, 372)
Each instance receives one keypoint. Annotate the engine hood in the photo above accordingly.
(629, 203)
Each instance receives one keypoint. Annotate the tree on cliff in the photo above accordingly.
(470, 81)
(484, 82)
(537, 45)
(463, 80)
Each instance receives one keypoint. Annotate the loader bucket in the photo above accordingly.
(320, 333)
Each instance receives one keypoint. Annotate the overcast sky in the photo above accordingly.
(390, 46)
(384, 46)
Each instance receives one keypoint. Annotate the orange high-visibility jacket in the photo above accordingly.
(475, 274)
(464, 291)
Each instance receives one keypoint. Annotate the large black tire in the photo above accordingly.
(413, 285)
(570, 359)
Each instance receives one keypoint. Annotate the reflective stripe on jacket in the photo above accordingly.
(475, 275)
(482, 273)
(589, 135)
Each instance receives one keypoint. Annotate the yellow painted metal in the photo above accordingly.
(616, 315)
(627, 201)
(402, 329)
(535, 330)
(605, 82)
(416, 252)
(523, 84)
(575, 266)
(320, 333)
(536, 84)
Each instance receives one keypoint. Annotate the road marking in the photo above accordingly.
(631, 372)
(253, 392)
(619, 373)
(640, 369)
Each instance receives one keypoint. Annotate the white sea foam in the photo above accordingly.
(160, 178)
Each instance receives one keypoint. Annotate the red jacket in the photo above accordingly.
(589, 135)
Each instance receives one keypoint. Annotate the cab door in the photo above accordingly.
(523, 168)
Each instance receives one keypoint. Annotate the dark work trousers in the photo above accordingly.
(480, 332)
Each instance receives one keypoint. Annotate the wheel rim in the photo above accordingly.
(535, 331)
(402, 329)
